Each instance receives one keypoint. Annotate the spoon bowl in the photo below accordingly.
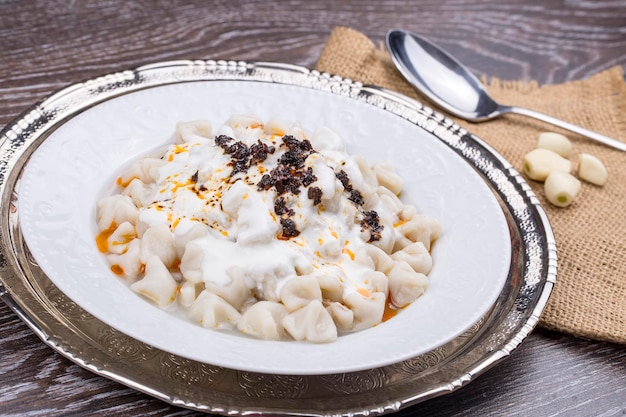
(451, 86)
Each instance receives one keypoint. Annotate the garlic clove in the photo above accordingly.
(592, 170)
(561, 188)
(539, 163)
(555, 142)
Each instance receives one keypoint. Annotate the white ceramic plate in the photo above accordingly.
(71, 169)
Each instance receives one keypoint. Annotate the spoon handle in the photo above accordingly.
(614, 143)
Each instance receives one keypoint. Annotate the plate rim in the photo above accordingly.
(446, 129)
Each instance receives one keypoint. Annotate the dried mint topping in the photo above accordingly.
(308, 177)
(371, 221)
(280, 207)
(315, 194)
(289, 229)
(290, 176)
(259, 152)
(242, 156)
(342, 176)
(356, 197)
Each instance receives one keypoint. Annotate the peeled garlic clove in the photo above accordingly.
(539, 163)
(592, 170)
(555, 142)
(561, 188)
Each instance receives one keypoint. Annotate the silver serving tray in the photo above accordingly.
(77, 335)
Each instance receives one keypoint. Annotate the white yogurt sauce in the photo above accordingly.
(196, 185)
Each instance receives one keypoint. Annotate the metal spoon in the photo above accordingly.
(449, 84)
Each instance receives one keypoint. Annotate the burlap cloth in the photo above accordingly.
(589, 299)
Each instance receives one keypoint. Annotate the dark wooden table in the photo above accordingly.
(49, 44)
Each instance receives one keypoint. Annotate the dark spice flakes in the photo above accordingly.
(280, 207)
(315, 194)
(289, 229)
(371, 221)
(290, 176)
(242, 156)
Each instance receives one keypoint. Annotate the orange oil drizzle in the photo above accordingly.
(364, 292)
(117, 269)
(102, 238)
(123, 183)
(390, 311)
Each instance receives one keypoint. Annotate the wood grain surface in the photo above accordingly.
(47, 45)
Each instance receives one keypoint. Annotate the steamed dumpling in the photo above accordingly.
(368, 311)
(299, 291)
(405, 285)
(119, 240)
(114, 210)
(415, 255)
(158, 241)
(263, 320)
(127, 264)
(190, 132)
(311, 323)
(157, 284)
(213, 312)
